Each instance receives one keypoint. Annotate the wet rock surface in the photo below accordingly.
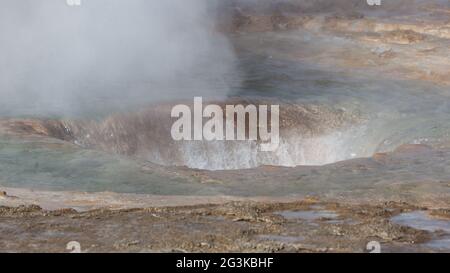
(230, 227)
(390, 26)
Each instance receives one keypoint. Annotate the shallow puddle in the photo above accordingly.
(281, 238)
(307, 215)
(440, 244)
(421, 220)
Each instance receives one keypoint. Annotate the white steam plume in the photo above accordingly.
(61, 59)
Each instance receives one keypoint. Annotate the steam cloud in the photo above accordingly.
(60, 59)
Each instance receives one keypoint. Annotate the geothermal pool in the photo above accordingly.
(331, 114)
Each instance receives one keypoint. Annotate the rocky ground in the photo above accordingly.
(240, 226)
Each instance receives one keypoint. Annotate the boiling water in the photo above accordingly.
(356, 114)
